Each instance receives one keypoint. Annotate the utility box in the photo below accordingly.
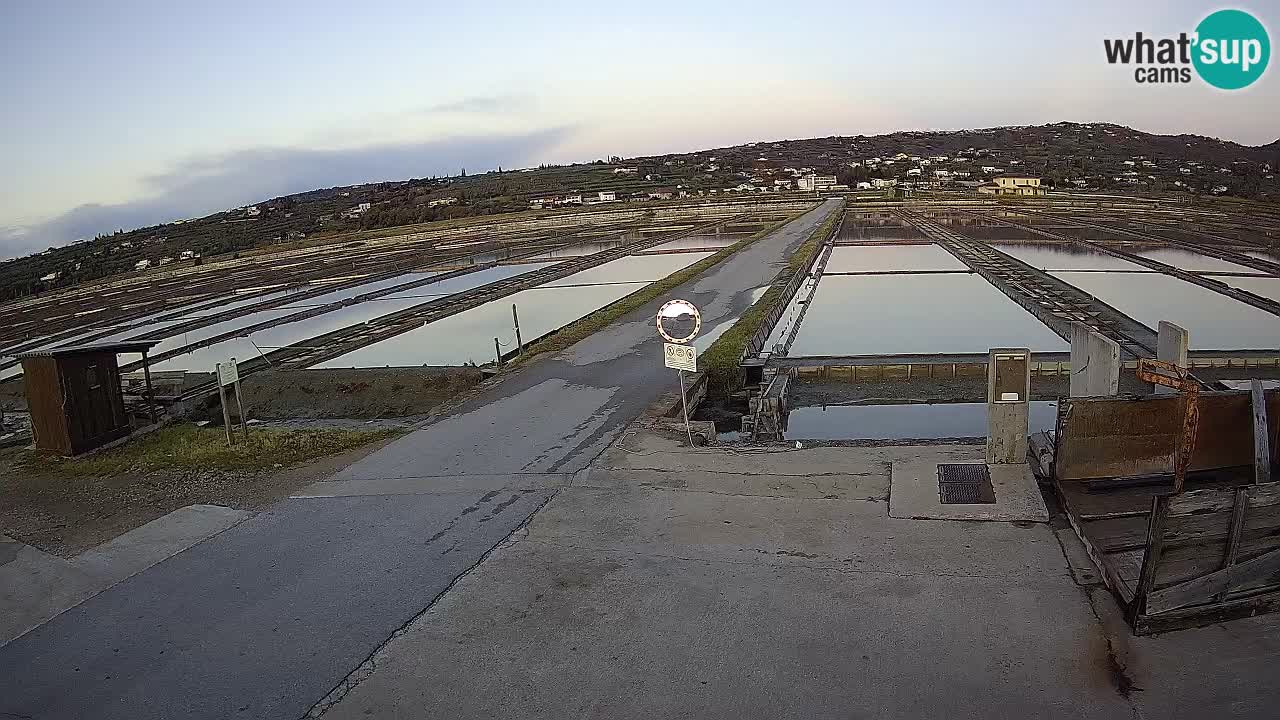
(1008, 405)
(74, 395)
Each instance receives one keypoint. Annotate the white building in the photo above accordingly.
(817, 183)
(142, 265)
(607, 196)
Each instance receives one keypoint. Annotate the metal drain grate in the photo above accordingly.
(965, 484)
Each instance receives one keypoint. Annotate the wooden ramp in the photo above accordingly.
(1175, 560)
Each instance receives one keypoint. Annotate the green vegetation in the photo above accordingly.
(721, 360)
(188, 447)
(606, 315)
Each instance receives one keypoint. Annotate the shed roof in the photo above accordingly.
(128, 346)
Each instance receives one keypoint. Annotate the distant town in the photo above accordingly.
(1030, 160)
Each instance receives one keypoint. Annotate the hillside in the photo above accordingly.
(1094, 156)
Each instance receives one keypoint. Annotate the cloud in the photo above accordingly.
(496, 104)
(201, 185)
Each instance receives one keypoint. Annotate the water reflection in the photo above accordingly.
(891, 314)
(1267, 287)
(879, 258)
(900, 422)
(1215, 322)
(1062, 256)
(468, 336)
(1192, 261)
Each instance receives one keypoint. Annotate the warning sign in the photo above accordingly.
(680, 357)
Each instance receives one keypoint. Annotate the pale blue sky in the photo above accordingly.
(133, 112)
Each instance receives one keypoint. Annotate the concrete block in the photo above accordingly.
(1171, 346)
(1007, 438)
(1008, 394)
(1095, 363)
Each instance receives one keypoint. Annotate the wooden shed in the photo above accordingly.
(74, 395)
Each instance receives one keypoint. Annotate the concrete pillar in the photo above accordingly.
(1008, 395)
(1095, 363)
(1171, 346)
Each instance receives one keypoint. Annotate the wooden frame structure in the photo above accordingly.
(1173, 558)
(75, 396)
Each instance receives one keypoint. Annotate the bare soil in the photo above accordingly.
(355, 393)
(65, 514)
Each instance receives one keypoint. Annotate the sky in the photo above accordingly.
(129, 113)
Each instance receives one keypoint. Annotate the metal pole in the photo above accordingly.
(151, 395)
(222, 400)
(244, 423)
(244, 426)
(497, 351)
(516, 318)
(684, 406)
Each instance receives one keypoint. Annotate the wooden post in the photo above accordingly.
(1261, 439)
(516, 319)
(497, 351)
(1233, 538)
(151, 395)
(222, 400)
(1150, 557)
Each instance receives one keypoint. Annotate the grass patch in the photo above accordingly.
(605, 316)
(721, 360)
(188, 447)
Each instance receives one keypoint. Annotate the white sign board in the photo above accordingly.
(680, 357)
(227, 373)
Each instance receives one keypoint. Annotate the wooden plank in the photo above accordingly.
(1155, 542)
(1187, 562)
(1255, 604)
(1200, 502)
(1122, 590)
(1128, 565)
(1233, 536)
(1203, 589)
(1261, 436)
(1128, 533)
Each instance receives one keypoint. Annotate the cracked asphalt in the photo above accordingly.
(266, 619)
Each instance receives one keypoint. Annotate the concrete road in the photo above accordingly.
(265, 619)
(712, 583)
